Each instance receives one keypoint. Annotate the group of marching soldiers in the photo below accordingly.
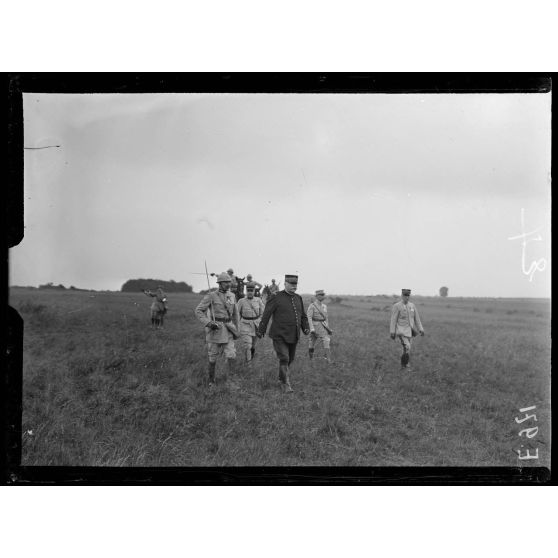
(227, 317)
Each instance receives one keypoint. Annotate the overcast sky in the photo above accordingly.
(358, 194)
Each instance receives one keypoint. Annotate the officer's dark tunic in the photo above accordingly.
(288, 317)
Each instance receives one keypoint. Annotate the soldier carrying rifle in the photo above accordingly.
(218, 313)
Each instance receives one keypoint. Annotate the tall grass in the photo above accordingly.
(102, 388)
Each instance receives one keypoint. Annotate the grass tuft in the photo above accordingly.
(101, 388)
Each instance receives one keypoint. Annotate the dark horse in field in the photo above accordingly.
(267, 294)
(240, 285)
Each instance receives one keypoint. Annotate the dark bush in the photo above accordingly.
(135, 285)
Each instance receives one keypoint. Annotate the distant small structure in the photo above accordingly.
(444, 291)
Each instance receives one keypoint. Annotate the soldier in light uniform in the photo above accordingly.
(234, 283)
(273, 288)
(258, 286)
(250, 310)
(405, 324)
(287, 310)
(319, 325)
(218, 313)
(158, 307)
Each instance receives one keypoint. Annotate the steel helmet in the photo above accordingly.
(223, 278)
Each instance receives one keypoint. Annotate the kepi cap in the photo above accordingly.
(293, 279)
(405, 291)
(250, 286)
(230, 270)
(319, 292)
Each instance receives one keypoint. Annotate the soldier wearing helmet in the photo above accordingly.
(273, 288)
(235, 283)
(257, 286)
(218, 313)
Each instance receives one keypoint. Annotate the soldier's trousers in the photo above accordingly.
(216, 349)
(247, 341)
(285, 351)
(406, 343)
(319, 333)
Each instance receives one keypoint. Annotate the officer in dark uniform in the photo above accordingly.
(289, 318)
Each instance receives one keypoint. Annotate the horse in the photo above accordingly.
(266, 294)
(240, 284)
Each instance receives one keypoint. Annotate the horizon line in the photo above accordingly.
(393, 295)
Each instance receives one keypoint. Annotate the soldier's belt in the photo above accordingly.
(246, 318)
(224, 320)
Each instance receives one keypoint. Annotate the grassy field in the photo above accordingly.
(100, 387)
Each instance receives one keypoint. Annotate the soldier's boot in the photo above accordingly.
(327, 355)
(404, 361)
(249, 363)
(252, 352)
(288, 388)
(311, 353)
(211, 373)
(282, 374)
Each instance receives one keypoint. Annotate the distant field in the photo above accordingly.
(101, 388)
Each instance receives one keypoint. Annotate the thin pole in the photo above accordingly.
(209, 292)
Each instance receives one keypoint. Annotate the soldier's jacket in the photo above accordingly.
(317, 316)
(234, 284)
(288, 317)
(225, 310)
(250, 313)
(403, 317)
(159, 304)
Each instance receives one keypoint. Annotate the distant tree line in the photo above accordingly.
(61, 287)
(135, 285)
(52, 286)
